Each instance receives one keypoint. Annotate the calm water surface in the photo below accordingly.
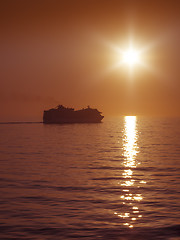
(115, 180)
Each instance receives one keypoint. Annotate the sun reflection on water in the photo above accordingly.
(130, 143)
(129, 213)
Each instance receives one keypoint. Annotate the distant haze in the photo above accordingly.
(55, 52)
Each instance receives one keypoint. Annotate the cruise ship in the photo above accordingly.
(62, 114)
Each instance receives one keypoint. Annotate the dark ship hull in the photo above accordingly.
(62, 115)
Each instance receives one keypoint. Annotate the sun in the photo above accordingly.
(131, 56)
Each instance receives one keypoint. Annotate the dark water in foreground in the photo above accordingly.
(115, 180)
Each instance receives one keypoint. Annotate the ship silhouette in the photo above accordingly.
(62, 114)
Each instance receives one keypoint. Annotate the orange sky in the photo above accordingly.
(59, 52)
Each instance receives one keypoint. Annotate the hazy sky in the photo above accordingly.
(63, 52)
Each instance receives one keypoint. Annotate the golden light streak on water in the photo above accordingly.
(130, 147)
(130, 144)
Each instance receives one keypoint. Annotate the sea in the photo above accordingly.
(119, 179)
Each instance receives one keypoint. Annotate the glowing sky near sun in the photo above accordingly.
(56, 53)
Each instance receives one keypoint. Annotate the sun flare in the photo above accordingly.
(131, 57)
